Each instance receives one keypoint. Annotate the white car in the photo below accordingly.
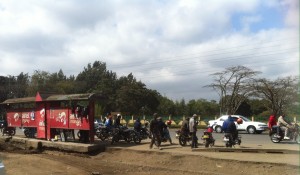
(2, 169)
(251, 127)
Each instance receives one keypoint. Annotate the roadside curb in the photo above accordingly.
(247, 150)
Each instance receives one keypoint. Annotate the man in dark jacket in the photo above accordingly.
(230, 127)
(118, 121)
(137, 125)
(154, 131)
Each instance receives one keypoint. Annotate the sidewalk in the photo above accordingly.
(283, 153)
(270, 153)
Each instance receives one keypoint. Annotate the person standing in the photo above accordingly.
(193, 131)
(154, 129)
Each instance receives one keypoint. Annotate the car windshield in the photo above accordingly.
(245, 119)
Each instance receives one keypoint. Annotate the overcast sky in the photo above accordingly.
(170, 45)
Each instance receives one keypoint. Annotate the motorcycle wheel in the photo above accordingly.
(228, 145)
(212, 143)
(182, 141)
(27, 133)
(101, 136)
(136, 138)
(297, 139)
(78, 134)
(206, 143)
(12, 132)
(275, 138)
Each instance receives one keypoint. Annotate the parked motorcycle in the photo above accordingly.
(143, 134)
(10, 131)
(207, 138)
(124, 133)
(277, 134)
(30, 132)
(183, 138)
(230, 142)
(104, 133)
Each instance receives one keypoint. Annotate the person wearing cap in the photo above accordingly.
(193, 131)
(154, 131)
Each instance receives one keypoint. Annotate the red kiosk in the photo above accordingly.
(48, 113)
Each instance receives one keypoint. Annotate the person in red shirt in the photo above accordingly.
(272, 122)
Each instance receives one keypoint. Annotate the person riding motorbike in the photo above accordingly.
(284, 125)
(185, 127)
(230, 127)
(117, 123)
(137, 125)
(108, 122)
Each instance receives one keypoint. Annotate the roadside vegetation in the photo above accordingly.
(240, 89)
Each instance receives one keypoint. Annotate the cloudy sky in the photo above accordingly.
(170, 45)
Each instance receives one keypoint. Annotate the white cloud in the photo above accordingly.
(168, 45)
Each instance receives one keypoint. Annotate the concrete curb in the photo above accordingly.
(247, 150)
(25, 143)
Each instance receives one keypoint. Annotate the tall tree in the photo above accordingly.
(280, 93)
(233, 87)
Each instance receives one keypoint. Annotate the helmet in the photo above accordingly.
(239, 121)
(118, 115)
(169, 122)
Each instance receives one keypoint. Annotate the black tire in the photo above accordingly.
(228, 145)
(182, 140)
(78, 135)
(218, 129)
(27, 133)
(212, 143)
(136, 138)
(251, 130)
(275, 138)
(102, 136)
(12, 132)
(206, 143)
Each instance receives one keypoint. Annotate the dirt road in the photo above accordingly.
(125, 161)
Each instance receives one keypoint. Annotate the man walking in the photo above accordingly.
(154, 129)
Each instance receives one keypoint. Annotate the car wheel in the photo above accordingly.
(218, 129)
(251, 130)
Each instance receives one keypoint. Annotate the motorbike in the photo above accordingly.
(30, 132)
(124, 133)
(144, 133)
(183, 138)
(277, 134)
(103, 133)
(207, 138)
(10, 131)
(165, 137)
(230, 142)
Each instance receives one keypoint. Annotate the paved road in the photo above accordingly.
(248, 140)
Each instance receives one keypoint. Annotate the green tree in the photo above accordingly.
(233, 87)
